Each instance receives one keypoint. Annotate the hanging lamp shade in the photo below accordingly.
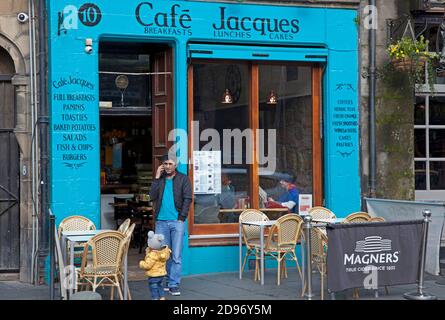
(227, 97)
(272, 98)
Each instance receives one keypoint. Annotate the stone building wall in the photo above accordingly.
(394, 113)
(14, 38)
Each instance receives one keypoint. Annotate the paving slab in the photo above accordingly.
(228, 286)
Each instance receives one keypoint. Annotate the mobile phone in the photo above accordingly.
(163, 170)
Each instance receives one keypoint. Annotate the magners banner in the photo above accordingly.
(375, 254)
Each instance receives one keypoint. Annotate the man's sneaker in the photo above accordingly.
(166, 289)
(175, 291)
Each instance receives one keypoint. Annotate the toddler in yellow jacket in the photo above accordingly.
(156, 256)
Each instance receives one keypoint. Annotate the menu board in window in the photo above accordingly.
(207, 172)
(304, 203)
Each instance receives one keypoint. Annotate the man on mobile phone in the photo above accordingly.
(171, 193)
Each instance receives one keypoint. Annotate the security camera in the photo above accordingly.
(88, 49)
(88, 45)
(22, 17)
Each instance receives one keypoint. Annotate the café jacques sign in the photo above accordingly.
(178, 21)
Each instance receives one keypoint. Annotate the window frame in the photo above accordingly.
(232, 229)
(428, 193)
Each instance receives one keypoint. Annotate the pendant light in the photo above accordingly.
(272, 98)
(227, 97)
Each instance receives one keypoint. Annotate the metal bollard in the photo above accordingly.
(308, 227)
(420, 294)
(52, 223)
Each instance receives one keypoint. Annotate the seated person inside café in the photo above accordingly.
(289, 197)
(227, 200)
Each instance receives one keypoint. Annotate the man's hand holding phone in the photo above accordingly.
(160, 171)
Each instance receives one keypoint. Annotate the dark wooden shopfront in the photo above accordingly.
(9, 171)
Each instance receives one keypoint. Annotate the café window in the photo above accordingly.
(254, 136)
(429, 145)
(429, 119)
(124, 78)
(291, 119)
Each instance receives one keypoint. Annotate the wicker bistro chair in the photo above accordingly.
(75, 223)
(63, 276)
(105, 269)
(377, 219)
(357, 217)
(60, 266)
(129, 231)
(281, 243)
(251, 234)
(319, 248)
(128, 234)
(355, 292)
(124, 225)
(321, 213)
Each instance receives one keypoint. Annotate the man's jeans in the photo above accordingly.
(173, 231)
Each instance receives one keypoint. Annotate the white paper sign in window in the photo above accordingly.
(304, 203)
(207, 172)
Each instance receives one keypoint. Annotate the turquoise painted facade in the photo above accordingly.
(286, 33)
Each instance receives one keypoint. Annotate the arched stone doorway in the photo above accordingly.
(9, 170)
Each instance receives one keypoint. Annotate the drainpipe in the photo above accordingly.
(43, 132)
(31, 76)
(34, 140)
(372, 86)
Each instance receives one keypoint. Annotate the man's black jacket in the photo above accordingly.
(182, 194)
